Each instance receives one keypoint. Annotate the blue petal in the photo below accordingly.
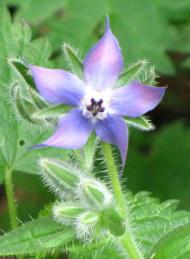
(136, 99)
(72, 132)
(114, 131)
(104, 62)
(58, 86)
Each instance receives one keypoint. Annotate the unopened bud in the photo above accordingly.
(86, 224)
(64, 212)
(59, 175)
(95, 193)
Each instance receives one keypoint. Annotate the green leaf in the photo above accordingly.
(141, 123)
(131, 73)
(152, 220)
(73, 59)
(100, 249)
(41, 235)
(175, 244)
(39, 13)
(16, 137)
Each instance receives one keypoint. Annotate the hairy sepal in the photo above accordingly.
(86, 156)
(95, 194)
(149, 76)
(60, 176)
(86, 225)
(141, 123)
(67, 212)
(22, 70)
(73, 60)
(131, 73)
(24, 107)
(54, 111)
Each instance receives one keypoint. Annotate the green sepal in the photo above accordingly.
(111, 219)
(24, 107)
(41, 235)
(89, 218)
(37, 99)
(131, 73)
(149, 77)
(52, 111)
(95, 193)
(73, 59)
(64, 211)
(22, 71)
(175, 244)
(59, 175)
(89, 151)
(141, 123)
(85, 156)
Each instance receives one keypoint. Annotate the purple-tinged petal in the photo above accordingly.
(58, 86)
(104, 62)
(72, 132)
(114, 131)
(136, 99)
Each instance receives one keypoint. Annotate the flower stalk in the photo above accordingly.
(10, 198)
(127, 240)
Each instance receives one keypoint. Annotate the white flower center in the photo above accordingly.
(95, 104)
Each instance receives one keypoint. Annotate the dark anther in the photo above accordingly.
(95, 113)
(93, 101)
(100, 102)
(89, 108)
(95, 107)
(102, 109)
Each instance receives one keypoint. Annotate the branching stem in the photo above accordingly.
(127, 240)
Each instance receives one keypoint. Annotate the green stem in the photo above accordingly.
(10, 198)
(127, 240)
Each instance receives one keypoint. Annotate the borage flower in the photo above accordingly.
(98, 106)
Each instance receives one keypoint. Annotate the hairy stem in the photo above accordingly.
(10, 198)
(127, 240)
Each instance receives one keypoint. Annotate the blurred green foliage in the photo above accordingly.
(158, 31)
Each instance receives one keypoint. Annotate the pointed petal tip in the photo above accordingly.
(107, 24)
(136, 99)
(104, 62)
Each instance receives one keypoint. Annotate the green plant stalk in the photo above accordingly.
(127, 240)
(10, 198)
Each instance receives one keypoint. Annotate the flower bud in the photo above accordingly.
(66, 212)
(89, 218)
(59, 175)
(86, 223)
(95, 193)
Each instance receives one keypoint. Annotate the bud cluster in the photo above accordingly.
(87, 203)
